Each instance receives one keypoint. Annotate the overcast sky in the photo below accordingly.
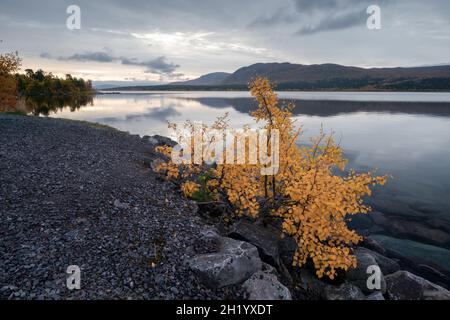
(170, 40)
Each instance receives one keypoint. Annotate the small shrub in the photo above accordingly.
(306, 193)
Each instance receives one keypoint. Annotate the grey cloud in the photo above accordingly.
(333, 5)
(92, 56)
(331, 15)
(308, 5)
(335, 22)
(88, 56)
(280, 16)
(317, 16)
(45, 55)
(301, 7)
(159, 65)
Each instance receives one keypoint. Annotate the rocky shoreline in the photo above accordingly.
(77, 193)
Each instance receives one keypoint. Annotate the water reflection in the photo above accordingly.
(41, 105)
(336, 107)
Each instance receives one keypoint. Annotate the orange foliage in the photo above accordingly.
(305, 193)
(9, 64)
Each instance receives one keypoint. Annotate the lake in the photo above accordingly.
(406, 135)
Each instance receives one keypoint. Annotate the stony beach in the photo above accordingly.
(73, 193)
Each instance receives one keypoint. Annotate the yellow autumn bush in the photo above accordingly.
(189, 188)
(9, 64)
(306, 192)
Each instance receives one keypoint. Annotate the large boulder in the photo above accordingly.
(359, 276)
(345, 291)
(313, 287)
(386, 264)
(267, 268)
(403, 285)
(265, 286)
(370, 243)
(287, 247)
(433, 275)
(234, 262)
(264, 238)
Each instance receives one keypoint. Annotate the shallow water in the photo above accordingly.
(404, 134)
(415, 250)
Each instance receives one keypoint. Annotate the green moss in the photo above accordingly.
(16, 113)
(202, 196)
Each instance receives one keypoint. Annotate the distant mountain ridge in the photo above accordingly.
(288, 76)
(291, 73)
(214, 78)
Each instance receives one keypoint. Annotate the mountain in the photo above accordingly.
(288, 72)
(209, 79)
(297, 73)
(288, 76)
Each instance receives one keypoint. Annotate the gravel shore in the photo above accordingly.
(75, 193)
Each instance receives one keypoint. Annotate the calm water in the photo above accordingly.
(404, 134)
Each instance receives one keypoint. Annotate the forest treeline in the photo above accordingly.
(39, 92)
(38, 82)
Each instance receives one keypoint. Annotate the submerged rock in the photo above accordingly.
(404, 285)
(406, 228)
(416, 252)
